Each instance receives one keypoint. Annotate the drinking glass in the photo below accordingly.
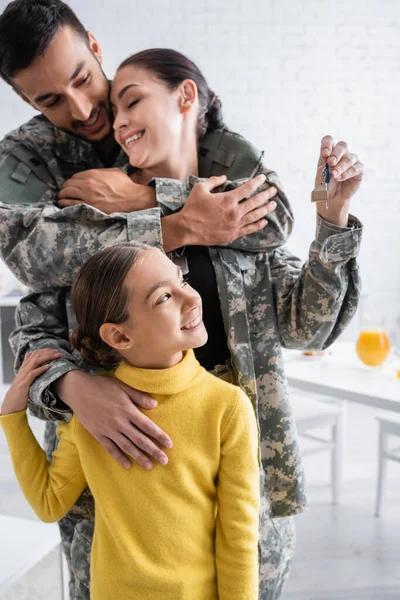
(373, 343)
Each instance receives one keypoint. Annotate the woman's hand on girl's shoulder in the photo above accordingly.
(34, 364)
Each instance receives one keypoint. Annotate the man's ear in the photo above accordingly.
(95, 47)
(114, 336)
(187, 94)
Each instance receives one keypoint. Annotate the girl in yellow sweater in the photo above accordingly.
(185, 531)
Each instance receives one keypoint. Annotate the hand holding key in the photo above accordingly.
(346, 174)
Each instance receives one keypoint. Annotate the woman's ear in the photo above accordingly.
(114, 336)
(187, 95)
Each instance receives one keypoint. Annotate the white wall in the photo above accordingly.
(288, 72)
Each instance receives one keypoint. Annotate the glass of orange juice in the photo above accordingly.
(373, 343)
(373, 346)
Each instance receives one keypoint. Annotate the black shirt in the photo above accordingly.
(202, 278)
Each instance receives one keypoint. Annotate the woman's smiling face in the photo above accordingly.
(148, 117)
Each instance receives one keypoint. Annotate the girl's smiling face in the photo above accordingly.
(165, 314)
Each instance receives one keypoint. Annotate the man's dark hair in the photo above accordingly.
(27, 27)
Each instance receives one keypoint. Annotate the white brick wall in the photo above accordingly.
(288, 72)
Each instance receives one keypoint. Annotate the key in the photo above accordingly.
(320, 193)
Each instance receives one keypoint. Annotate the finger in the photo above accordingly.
(347, 161)
(43, 355)
(326, 147)
(252, 228)
(247, 189)
(115, 452)
(260, 199)
(356, 170)
(90, 173)
(66, 203)
(26, 358)
(213, 182)
(257, 214)
(337, 153)
(135, 444)
(149, 428)
(37, 358)
(139, 398)
(32, 375)
(83, 175)
(71, 191)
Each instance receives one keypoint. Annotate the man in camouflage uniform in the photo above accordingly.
(268, 299)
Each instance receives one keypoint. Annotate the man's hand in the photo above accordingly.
(108, 409)
(346, 177)
(209, 219)
(109, 190)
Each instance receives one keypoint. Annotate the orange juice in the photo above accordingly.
(373, 347)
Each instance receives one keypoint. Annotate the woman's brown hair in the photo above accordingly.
(172, 67)
(99, 295)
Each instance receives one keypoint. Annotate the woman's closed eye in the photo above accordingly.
(133, 103)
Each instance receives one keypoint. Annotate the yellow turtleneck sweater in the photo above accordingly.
(185, 531)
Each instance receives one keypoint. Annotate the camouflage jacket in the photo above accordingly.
(268, 299)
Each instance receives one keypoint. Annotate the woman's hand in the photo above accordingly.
(346, 177)
(33, 365)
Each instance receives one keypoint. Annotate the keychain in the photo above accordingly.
(320, 193)
(180, 260)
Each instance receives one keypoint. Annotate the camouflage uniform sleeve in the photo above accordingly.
(44, 246)
(41, 322)
(280, 222)
(316, 301)
(172, 194)
(76, 233)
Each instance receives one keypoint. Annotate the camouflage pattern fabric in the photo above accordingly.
(268, 300)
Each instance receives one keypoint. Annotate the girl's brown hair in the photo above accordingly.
(99, 295)
(172, 67)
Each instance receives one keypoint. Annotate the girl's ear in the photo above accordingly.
(114, 336)
(187, 95)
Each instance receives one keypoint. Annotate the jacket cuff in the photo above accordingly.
(43, 402)
(335, 244)
(171, 194)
